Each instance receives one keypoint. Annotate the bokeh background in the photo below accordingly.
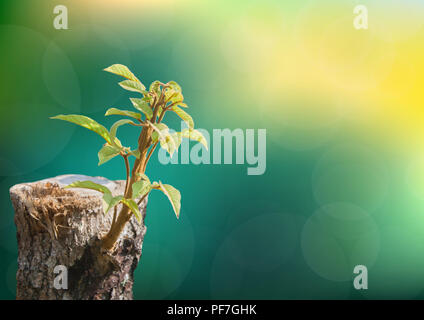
(343, 109)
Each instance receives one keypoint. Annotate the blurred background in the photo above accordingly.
(344, 113)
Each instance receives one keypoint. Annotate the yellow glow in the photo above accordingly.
(377, 83)
(373, 78)
(114, 4)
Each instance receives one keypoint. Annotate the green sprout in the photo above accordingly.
(151, 108)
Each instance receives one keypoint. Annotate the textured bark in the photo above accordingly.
(57, 226)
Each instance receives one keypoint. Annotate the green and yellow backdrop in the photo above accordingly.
(343, 109)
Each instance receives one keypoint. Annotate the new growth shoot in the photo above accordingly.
(151, 107)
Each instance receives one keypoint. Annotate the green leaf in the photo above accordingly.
(194, 134)
(175, 86)
(107, 152)
(143, 176)
(173, 195)
(86, 122)
(140, 188)
(114, 111)
(143, 106)
(162, 134)
(117, 143)
(183, 105)
(169, 94)
(117, 124)
(147, 98)
(130, 203)
(168, 144)
(184, 116)
(177, 139)
(155, 88)
(89, 185)
(122, 71)
(109, 202)
(135, 86)
(161, 131)
(179, 98)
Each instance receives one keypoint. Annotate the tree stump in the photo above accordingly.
(63, 227)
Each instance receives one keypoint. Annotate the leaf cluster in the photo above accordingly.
(149, 109)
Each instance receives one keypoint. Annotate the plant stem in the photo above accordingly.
(112, 236)
(144, 142)
(127, 166)
(114, 216)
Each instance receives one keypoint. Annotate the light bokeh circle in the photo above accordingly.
(252, 42)
(140, 24)
(85, 46)
(32, 140)
(338, 237)
(414, 176)
(166, 260)
(226, 278)
(396, 20)
(60, 79)
(350, 173)
(196, 61)
(8, 240)
(399, 270)
(300, 120)
(259, 247)
(276, 232)
(349, 59)
(11, 277)
(292, 279)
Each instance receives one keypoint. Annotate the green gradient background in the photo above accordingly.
(328, 201)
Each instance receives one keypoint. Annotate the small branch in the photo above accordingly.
(173, 104)
(156, 110)
(154, 146)
(150, 154)
(155, 100)
(162, 114)
(165, 85)
(127, 166)
(172, 96)
(142, 198)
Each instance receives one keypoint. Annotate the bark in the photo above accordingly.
(57, 226)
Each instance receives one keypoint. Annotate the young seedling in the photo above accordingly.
(152, 106)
